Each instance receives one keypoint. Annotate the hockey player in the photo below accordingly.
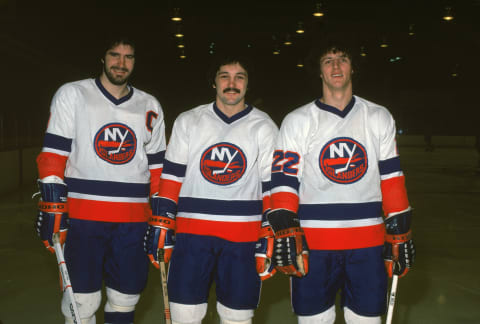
(335, 166)
(105, 140)
(216, 175)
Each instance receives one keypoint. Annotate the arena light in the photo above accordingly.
(179, 32)
(300, 28)
(448, 15)
(176, 15)
(318, 12)
(288, 40)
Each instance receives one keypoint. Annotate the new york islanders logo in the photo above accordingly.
(343, 160)
(115, 143)
(223, 164)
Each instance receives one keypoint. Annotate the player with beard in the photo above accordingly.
(101, 159)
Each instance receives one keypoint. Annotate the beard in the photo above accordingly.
(116, 79)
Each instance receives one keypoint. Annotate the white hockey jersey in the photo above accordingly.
(218, 171)
(337, 169)
(111, 146)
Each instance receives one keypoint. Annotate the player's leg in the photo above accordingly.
(327, 317)
(84, 250)
(126, 270)
(237, 282)
(313, 296)
(190, 277)
(365, 289)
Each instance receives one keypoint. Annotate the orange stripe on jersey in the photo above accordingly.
(231, 231)
(345, 238)
(170, 189)
(155, 180)
(51, 164)
(394, 195)
(285, 200)
(107, 211)
(266, 202)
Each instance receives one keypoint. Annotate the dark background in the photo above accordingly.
(47, 43)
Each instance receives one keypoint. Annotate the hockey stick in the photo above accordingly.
(345, 168)
(120, 146)
(226, 166)
(67, 286)
(391, 300)
(163, 278)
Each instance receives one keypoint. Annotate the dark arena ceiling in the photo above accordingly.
(419, 77)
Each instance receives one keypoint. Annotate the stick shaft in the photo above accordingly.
(391, 300)
(163, 278)
(67, 285)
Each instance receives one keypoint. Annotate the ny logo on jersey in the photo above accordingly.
(115, 143)
(343, 160)
(223, 163)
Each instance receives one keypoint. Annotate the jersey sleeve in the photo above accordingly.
(266, 138)
(394, 193)
(155, 148)
(57, 143)
(287, 164)
(175, 165)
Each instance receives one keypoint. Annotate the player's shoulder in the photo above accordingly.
(193, 114)
(79, 85)
(301, 113)
(372, 107)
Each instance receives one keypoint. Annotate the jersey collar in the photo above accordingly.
(107, 94)
(333, 110)
(235, 117)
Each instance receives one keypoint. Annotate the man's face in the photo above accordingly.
(336, 70)
(231, 84)
(118, 64)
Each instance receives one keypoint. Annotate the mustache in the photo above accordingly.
(231, 89)
(120, 68)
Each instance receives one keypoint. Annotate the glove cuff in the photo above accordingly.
(161, 221)
(52, 207)
(281, 219)
(398, 238)
(265, 232)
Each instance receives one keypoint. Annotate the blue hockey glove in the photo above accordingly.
(160, 233)
(52, 214)
(398, 250)
(264, 251)
(290, 250)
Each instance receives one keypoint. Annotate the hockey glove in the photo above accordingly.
(52, 214)
(290, 249)
(264, 251)
(398, 250)
(160, 232)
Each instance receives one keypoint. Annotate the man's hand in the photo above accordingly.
(290, 248)
(264, 251)
(52, 214)
(160, 233)
(398, 250)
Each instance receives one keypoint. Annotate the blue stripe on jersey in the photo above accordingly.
(173, 168)
(108, 188)
(389, 166)
(107, 94)
(266, 186)
(280, 179)
(220, 207)
(156, 158)
(57, 142)
(333, 110)
(340, 211)
(235, 117)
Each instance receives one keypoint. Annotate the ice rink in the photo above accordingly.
(443, 287)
